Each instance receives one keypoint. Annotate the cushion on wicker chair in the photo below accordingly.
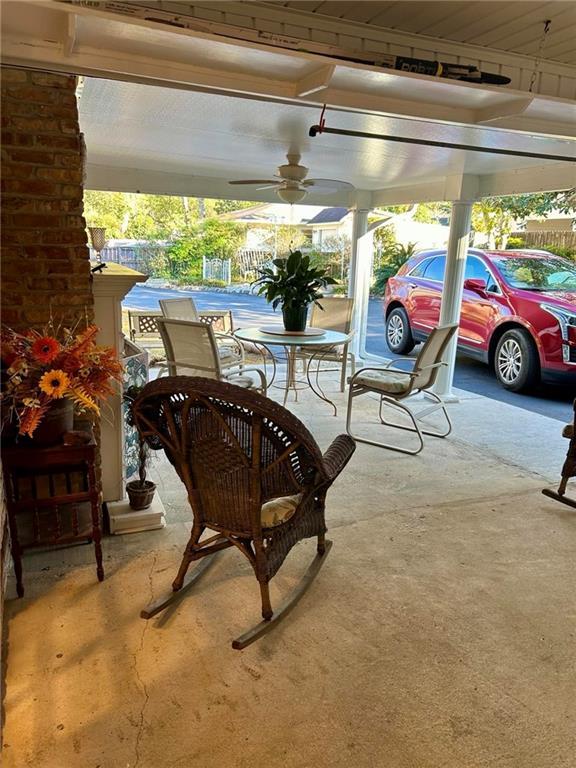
(390, 382)
(279, 510)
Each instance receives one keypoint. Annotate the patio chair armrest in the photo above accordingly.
(228, 336)
(432, 365)
(358, 373)
(338, 455)
(240, 370)
(410, 360)
(230, 340)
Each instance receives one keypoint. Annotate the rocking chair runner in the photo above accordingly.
(254, 475)
(569, 467)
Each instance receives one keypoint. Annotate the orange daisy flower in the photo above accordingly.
(54, 383)
(45, 349)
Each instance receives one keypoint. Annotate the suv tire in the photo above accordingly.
(398, 332)
(516, 361)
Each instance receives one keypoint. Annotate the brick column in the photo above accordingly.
(45, 256)
(45, 265)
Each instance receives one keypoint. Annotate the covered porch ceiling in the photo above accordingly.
(190, 142)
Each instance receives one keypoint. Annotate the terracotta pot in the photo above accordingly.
(58, 420)
(295, 318)
(140, 494)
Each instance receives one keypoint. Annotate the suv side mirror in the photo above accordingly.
(475, 284)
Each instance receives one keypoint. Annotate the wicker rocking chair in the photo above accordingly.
(254, 475)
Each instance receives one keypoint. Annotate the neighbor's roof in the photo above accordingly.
(328, 216)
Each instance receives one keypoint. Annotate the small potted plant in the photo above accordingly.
(294, 284)
(141, 491)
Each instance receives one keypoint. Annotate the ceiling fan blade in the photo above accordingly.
(269, 186)
(327, 185)
(254, 181)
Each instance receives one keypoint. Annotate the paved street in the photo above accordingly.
(471, 375)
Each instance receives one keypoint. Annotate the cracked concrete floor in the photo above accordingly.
(439, 634)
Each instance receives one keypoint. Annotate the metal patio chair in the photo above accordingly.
(335, 315)
(393, 386)
(254, 475)
(230, 350)
(144, 332)
(191, 349)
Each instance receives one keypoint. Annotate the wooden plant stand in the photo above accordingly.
(52, 499)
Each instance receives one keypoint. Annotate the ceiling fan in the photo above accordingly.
(291, 184)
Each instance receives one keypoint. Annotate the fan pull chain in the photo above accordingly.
(538, 59)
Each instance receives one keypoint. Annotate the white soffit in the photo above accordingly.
(87, 41)
(154, 139)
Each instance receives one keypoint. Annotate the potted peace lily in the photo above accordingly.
(294, 284)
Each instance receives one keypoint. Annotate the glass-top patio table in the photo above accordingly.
(324, 343)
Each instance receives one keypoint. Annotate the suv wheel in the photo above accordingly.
(398, 332)
(516, 361)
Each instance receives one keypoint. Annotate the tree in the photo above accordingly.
(212, 238)
(229, 206)
(112, 210)
(491, 219)
(540, 204)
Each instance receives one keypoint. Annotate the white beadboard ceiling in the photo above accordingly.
(206, 139)
(515, 26)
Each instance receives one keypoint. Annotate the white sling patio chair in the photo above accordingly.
(230, 350)
(335, 315)
(393, 386)
(191, 350)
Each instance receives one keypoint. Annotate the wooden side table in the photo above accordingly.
(51, 499)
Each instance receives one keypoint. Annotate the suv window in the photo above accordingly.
(420, 268)
(435, 269)
(477, 270)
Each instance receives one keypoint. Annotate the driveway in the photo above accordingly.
(470, 375)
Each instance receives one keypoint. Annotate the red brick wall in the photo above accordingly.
(45, 256)
(45, 265)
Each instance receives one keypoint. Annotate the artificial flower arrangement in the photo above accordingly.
(41, 368)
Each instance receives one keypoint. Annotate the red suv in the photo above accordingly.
(518, 312)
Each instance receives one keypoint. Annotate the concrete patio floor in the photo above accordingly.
(439, 634)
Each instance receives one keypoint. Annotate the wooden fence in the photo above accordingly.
(540, 240)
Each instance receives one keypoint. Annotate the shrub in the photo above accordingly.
(561, 250)
(392, 260)
(514, 243)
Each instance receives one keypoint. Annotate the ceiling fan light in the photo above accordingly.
(291, 194)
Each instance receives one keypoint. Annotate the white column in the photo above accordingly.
(458, 243)
(359, 275)
(359, 228)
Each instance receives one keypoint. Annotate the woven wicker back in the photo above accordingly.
(179, 309)
(233, 449)
(336, 314)
(190, 348)
(431, 353)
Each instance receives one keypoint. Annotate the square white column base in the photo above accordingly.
(124, 519)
